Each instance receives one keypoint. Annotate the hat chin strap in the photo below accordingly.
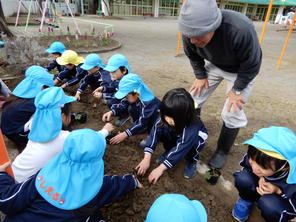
(282, 167)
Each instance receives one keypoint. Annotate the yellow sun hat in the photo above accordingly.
(70, 57)
(272, 154)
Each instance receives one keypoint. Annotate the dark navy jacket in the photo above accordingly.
(94, 80)
(72, 76)
(143, 114)
(192, 139)
(15, 115)
(110, 88)
(22, 203)
(279, 180)
(52, 65)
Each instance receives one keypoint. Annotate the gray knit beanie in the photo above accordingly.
(199, 17)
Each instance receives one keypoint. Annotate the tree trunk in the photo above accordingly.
(3, 26)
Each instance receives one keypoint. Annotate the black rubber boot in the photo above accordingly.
(225, 142)
(198, 112)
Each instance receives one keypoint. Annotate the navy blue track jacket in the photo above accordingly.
(94, 80)
(73, 76)
(143, 114)
(110, 88)
(16, 114)
(22, 202)
(52, 65)
(192, 139)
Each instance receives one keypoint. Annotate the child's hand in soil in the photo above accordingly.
(267, 188)
(144, 165)
(118, 138)
(98, 90)
(139, 184)
(156, 173)
(107, 116)
(77, 95)
(109, 127)
(4, 166)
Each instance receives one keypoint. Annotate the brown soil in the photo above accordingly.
(121, 159)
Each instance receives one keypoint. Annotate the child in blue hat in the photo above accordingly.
(94, 65)
(70, 187)
(176, 208)
(118, 67)
(72, 73)
(180, 130)
(19, 107)
(56, 49)
(268, 176)
(139, 102)
(53, 114)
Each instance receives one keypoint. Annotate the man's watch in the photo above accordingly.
(236, 92)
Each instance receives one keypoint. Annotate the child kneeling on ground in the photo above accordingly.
(72, 73)
(94, 65)
(19, 107)
(47, 132)
(118, 67)
(139, 102)
(268, 176)
(180, 130)
(71, 187)
(56, 49)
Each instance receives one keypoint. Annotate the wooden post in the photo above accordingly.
(286, 42)
(266, 21)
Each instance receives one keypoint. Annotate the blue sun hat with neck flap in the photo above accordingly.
(277, 142)
(91, 61)
(35, 78)
(47, 120)
(117, 61)
(74, 177)
(176, 208)
(133, 83)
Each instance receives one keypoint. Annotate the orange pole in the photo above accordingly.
(265, 22)
(4, 158)
(286, 43)
(179, 43)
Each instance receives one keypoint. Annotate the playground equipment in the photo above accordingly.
(48, 8)
(70, 10)
(21, 3)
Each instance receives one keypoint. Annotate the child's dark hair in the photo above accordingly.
(179, 105)
(57, 53)
(66, 109)
(124, 70)
(264, 160)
